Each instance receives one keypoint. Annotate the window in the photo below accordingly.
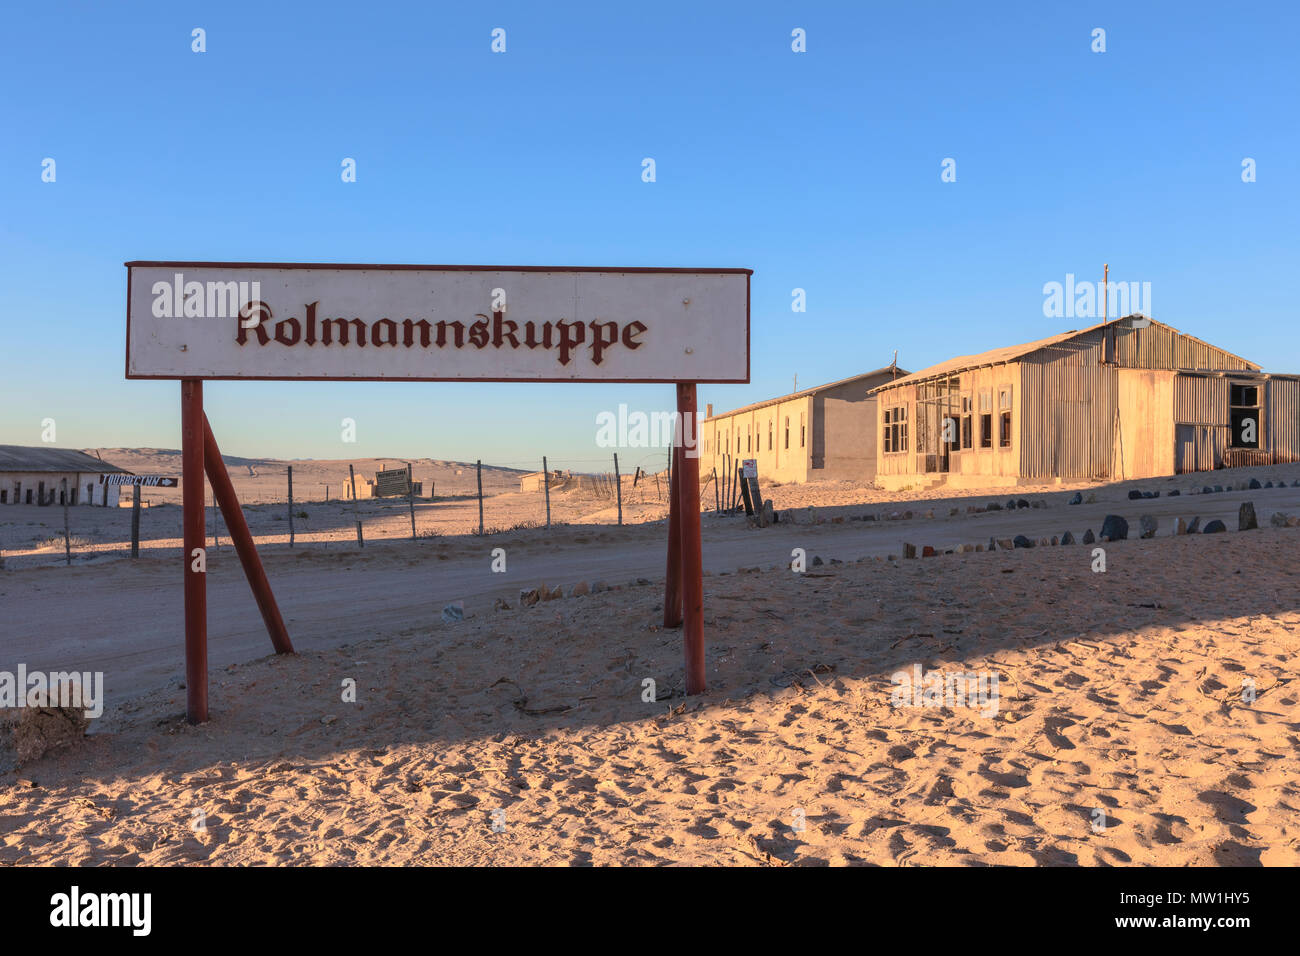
(965, 421)
(749, 442)
(90, 494)
(787, 432)
(769, 434)
(895, 429)
(1243, 415)
(4, 496)
(802, 430)
(1004, 417)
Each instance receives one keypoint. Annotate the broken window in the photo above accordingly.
(1243, 415)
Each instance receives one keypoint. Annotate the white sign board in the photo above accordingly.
(436, 323)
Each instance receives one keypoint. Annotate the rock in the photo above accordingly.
(836, 561)
(979, 547)
(907, 515)
(1279, 519)
(909, 550)
(1218, 489)
(1091, 499)
(454, 612)
(642, 582)
(1194, 525)
(528, 597)
(1268, 484)
(1077, 499)
(1207, 490)
(1254, 483)
(1246, 517)
(29, 733)
(1175, 493)
(1039, 503)
(598, 586)
(993, 545)
(1180, 526)
(500, 604)
(769, 516)
(817, 559)
(1011, 504)
(1022, 503)
(1006, 544)
(993, 506)
(1114, 528)
(1055, 540)
(1089, 537)
(1043, 542)
(1134, 495)
(930, 513)
(1020, 541)
(1148, 524)
(1296, 483)
(1293, 521)
(1214, 527)
(927, 552)
(1067, 538)
(557, 593)
(581, 589)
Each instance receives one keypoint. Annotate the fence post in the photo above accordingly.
(478, 465)
(291, 506)
(135, 521)
(410, 498)
(356, 514)
(546, 484)
(67, 537)
(717, 498)
(618, 483)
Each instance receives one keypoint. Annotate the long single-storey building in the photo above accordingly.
(1131, 398)
(823, 432)
(39, 475)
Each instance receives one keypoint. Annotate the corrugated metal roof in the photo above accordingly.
(1011, 353)
(41, 458)
(806, 392)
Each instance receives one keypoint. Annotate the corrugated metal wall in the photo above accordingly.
(1161, 348)
(1067, 411)
(1201, 401)
(1284, 418)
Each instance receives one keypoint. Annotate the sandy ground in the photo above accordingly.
(522, 736)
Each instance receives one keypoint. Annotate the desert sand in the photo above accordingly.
(524, 736)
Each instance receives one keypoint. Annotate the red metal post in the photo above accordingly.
(224, 492)
(673, 577)
(692, 558)
(195, 556)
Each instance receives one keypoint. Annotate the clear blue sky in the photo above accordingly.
(818, 170)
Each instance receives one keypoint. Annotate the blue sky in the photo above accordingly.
(818, 170)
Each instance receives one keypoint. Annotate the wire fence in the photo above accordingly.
(307, 503)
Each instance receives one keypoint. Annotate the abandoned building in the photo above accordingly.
(823, 432)
(1131, 398)
(39, 475)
